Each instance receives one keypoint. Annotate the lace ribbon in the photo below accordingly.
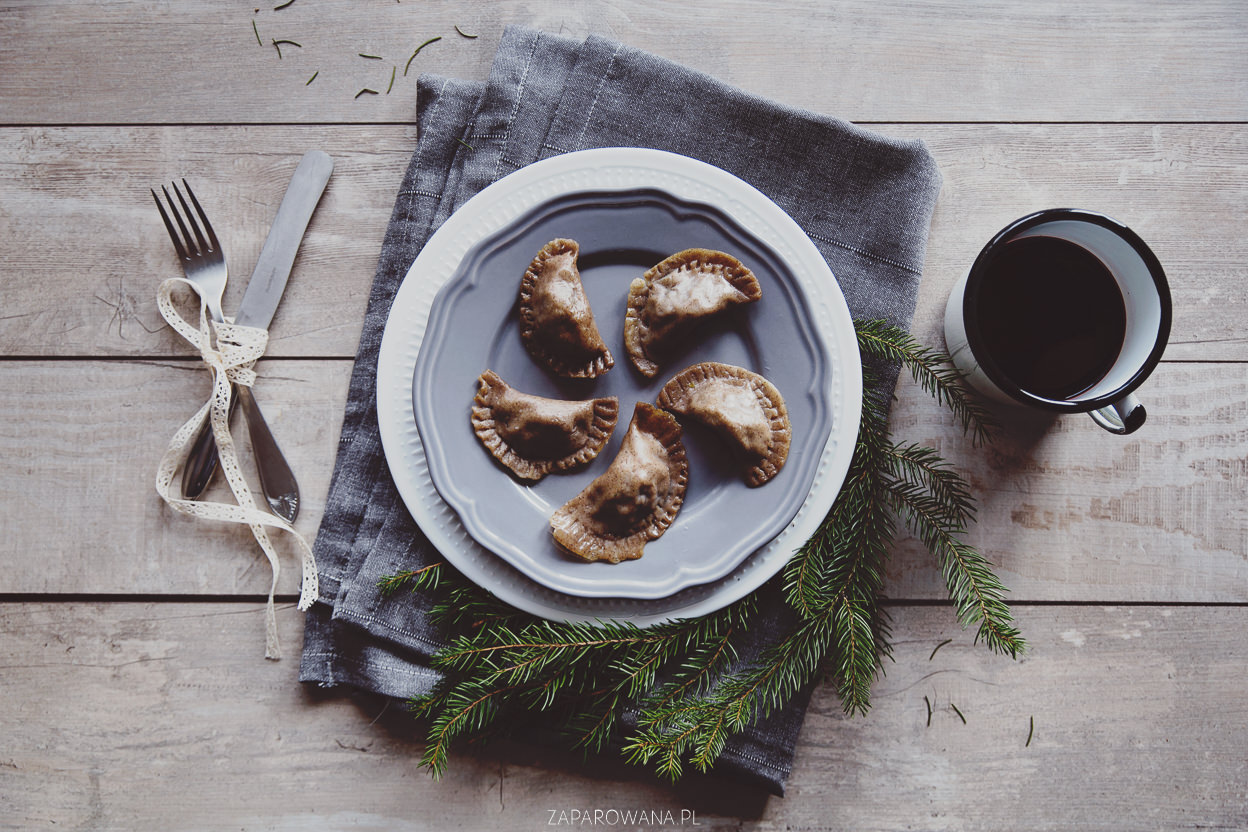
(230, 351)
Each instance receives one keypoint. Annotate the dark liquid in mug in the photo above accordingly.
(1051, 316)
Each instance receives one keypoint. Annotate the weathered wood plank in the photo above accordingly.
(145, 716)
(1184, 188)
(81, 444)
(202, 61)
(1170, 183)
(163, 716)
(85, 248)
(1069, 512)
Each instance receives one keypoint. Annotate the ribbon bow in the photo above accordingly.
(230, 351)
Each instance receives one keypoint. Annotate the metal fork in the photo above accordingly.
(203, 262)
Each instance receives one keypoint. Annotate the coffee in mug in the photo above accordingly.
(1063, 310)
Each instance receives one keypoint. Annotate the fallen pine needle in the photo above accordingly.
(417, 52)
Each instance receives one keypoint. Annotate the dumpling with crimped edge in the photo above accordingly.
(635, 500)
(533, 435)
(671, 299)
(556, 324)
(740, 405)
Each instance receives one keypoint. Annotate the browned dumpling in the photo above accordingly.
(742, 406)
(671, 299)
(533, 435)
(635, 500)
(556, 323)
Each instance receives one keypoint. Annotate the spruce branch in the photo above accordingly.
(932, 370)
(465, 710)
(847, 551)
(593, 727)
(977, 593)
(697, 728)
(841, 568)
(543, 666)
(924, 469)
(426, 577)
(461, 602)
(856, 654)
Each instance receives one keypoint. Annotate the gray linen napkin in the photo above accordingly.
(864, 199)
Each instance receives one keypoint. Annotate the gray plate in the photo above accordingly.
(473, 326)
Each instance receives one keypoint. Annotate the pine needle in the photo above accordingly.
(277, 44)
(417, 52)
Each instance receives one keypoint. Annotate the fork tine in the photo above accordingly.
(187, 240)
(173, 233)
(212, 237)
(199, 235)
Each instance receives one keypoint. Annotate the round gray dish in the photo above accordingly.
(473, 326)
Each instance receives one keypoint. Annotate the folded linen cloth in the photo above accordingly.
(864, 199)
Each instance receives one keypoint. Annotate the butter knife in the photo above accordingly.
(264, 292)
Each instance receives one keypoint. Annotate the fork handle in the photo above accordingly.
(276, 479)
(202, 462)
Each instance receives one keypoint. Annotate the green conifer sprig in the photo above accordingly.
(413, 580)
(978, 595)
(937, 506)
(683, 680)
(932, 370)
(582, 670)
(837, 576)
(842, 557)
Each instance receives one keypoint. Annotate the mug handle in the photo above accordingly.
(1122, 417)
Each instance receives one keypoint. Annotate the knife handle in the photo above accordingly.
(276, 479)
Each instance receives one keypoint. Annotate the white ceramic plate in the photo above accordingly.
(623, 170)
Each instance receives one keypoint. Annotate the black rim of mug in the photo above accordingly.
(976, 277)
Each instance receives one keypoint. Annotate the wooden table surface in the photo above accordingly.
(133, 694)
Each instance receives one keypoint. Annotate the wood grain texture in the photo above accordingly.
(1184, 188)
(1175, 185)
(139, 708)
(85, 248)
(1068, 512)
(1071, 513)
(211, 738)
(910, 61)
(77, 478)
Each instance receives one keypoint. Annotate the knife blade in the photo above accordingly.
(260, 300)
(268, 280)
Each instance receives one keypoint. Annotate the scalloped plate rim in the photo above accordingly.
(604, 168)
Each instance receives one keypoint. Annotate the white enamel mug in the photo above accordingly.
(1111, 401)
